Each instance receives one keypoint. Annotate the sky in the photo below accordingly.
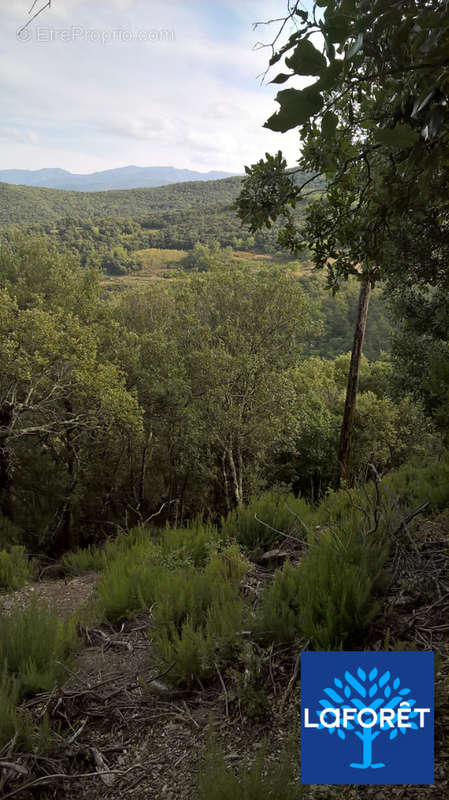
(93, 85)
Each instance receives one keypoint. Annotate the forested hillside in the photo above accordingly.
(94, 224)
(21, 204)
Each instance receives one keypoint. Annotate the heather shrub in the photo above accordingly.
(15, 568)
(83, 560)
(193, 543)
(199, 616)
(330, 598)
(262, 780)
(34, 645)
(130, 582)
(274, 509)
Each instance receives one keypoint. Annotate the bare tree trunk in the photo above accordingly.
(6, 414)
(235, 480)
(353, 383)
(143, 472)
(240, 468)
(64, 539)
(225, 482)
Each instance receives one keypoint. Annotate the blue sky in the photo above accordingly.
(183, 90)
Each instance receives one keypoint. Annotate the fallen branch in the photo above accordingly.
(292, 680)
(281, 533)
(223, 686)
(109, 642)
(62, 776)
(13, 767)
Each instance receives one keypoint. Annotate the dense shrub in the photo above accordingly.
(16, 723)
(199, 616)
(416, 482)
(400, 492)
(130, 582)
(273, 509)
(330, 598)
(138, 563)
(196, 648)
(34, 643)
(11, 724)
(279, 617)
(193, 586)
(261, 781)
(83, 560)
(193, 542)
(98, 557)
(15, 568)
(9, 533)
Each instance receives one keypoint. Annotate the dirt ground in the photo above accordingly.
(125, 733)
(66, 595)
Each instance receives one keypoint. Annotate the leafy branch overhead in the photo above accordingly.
(373, 122)
(367, 47)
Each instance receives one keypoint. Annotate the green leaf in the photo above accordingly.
(306, 59)
(329, 79)
(400, 136)
(329, 125)
(368, 124)
(281, 78)
(297, 106)
(337, 27)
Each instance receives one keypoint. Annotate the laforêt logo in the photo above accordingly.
(367, 718)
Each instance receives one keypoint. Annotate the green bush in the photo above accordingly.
(399, 492)
(263, 780)
(117, 546)
(34, 644)
(15, 568)
(199, 615)
(197, 610)
(196, 649)
(193, 543)
(273, 509)
(279, 618)
(415, 482)
(11, 722)
(113, 549)
(249, 681)
(9, 533)
(190, 592)
(83, 560)
(129, 583)
(137, 564)
(17, 723)
(330, 598)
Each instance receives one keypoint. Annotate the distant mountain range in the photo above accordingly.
(121, 178)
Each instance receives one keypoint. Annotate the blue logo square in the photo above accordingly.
(367, 718)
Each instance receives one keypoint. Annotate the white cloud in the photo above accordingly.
(18, 135)
(192, 102)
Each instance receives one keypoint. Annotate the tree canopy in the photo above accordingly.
(374, 122)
